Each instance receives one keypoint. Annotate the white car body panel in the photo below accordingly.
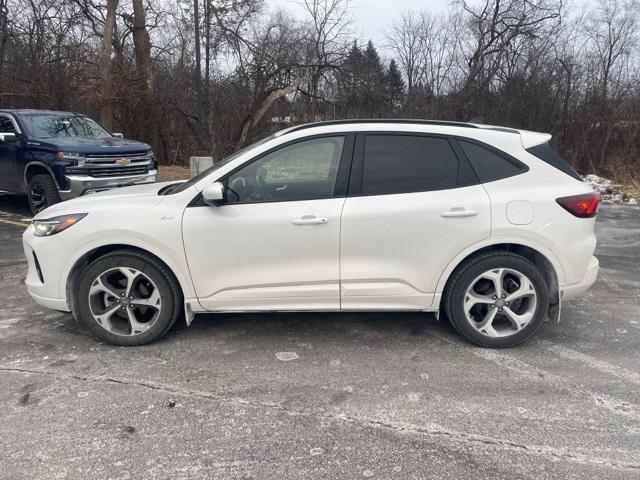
(393, 247)
(381, 252)
(253, 256)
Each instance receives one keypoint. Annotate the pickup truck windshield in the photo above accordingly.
(53, 126)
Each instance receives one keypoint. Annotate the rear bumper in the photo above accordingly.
(84, 184)
(576, 289)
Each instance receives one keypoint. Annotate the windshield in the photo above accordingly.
(51, 125)
(183, 186)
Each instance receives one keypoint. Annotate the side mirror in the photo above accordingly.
(8, 137)
(213, 194)
(117, 135)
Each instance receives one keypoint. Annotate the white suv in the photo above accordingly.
(485, 224)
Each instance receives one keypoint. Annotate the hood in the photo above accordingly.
(138, 197)
(110, 145)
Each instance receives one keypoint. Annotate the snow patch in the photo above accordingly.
(286, 356)
(609, 191)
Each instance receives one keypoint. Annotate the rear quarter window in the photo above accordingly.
(490, 165)
(546, 153)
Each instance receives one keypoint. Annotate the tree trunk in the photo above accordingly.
(266, 104)
(148, 112)
(106, 77)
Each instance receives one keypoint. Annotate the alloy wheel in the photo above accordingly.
(500, 302)
(124, 301)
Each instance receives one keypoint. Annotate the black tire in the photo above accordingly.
(462, 279)
(157, 272)
(42, 187)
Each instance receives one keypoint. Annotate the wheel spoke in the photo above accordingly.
(152, 301)
(526, 289)
(136, 327)
(496, 277)
(518, 321)
(131, 276)
(486, 325)
(104, 319)
(100, 286)
(473, 299)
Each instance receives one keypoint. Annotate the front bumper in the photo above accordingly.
(42, 279)
(576, 289)
(84, 184)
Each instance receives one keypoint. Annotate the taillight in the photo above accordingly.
(582, 206)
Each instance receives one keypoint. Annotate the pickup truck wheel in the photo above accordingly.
(497, 300)
(42, 193)
(128, 298)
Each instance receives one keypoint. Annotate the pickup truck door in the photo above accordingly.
(10, 178)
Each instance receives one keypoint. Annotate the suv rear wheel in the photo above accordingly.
(42, 192)
(498, 299)
(128, 298)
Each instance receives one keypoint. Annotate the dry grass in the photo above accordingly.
(169, 173)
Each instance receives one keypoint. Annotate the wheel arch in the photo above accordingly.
(538, 254)
(38, 168)
(92, 254)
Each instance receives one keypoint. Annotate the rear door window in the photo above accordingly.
(490, 165)
(407, 163)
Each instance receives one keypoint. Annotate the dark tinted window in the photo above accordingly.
(547, 154)
(403, 163)
(6, 126)
(489, 166)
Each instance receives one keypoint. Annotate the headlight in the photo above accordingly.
(78, 158)
(51, 226)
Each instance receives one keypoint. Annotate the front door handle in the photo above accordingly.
(459, 212)
(310, 220)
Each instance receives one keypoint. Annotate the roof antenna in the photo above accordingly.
(478, 119)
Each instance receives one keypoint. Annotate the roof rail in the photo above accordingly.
(380, 120)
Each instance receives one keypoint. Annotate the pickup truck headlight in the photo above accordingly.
(51, 226)
(78, 158)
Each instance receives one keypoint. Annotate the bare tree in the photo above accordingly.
(106, 76)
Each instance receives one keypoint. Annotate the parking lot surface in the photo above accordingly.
(325, 395)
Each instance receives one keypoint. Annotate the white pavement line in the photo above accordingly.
(531, 372)
(430, 430)
(600, 365)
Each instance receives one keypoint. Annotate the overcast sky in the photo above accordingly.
(370, 16)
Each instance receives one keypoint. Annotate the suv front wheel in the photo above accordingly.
(498, 299)
(128, 298)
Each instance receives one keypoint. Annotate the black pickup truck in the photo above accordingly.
(53, 156)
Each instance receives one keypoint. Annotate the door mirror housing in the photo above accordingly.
(213, 194)
(118, 135)
(8, 137)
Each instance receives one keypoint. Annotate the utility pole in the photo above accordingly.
(200, 161)
(199, 101)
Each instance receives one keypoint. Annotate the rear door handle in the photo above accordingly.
(459, 212)
(310, 220)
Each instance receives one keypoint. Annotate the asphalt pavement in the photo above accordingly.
(257, 396)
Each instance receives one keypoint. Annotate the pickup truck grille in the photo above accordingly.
(117, 171)
(99, 172)
(113, 159)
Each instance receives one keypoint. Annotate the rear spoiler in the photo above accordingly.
(527, 137)
(531, 139)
